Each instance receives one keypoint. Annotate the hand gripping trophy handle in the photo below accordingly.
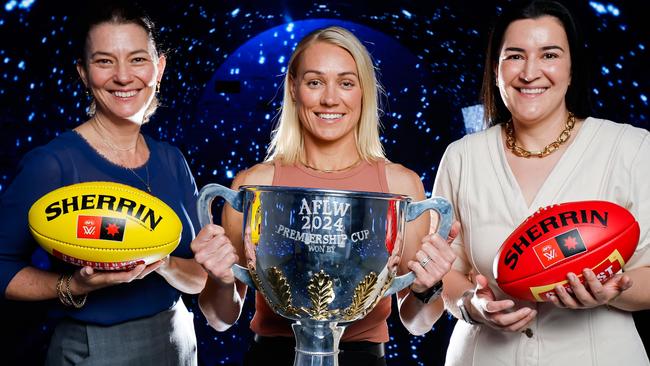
(204, 207)
(413, 211)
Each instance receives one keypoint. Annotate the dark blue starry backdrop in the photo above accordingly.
(222, 90)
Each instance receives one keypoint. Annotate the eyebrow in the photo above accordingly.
(344, 73)
(101, 53)
(545, 48)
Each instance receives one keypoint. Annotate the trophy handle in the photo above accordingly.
(242, 274)
(204, 208)
(208, 193)
(399, 283)
(438, 204)
(413, 211)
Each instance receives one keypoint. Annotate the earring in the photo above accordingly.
(158, 87)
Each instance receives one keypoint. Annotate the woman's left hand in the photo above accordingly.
(592, 293)
(434, 260)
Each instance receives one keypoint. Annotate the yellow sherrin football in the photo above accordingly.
(105, 225)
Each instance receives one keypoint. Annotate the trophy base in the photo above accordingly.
(317, 343)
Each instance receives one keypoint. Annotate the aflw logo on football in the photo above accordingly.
(100, 227)
(560, 247)
(89, 227)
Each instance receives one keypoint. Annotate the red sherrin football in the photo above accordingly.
(563, 238)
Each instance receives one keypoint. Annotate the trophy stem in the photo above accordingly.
(317, 343)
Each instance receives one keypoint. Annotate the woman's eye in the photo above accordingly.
(313, 83)
(347, 84)
(550, 55)
(514, 57)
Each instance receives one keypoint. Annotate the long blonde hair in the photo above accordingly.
(287, 140)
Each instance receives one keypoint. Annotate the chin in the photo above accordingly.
(133, 117)
(533, 115)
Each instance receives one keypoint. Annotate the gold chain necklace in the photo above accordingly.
(112, 146)
(511, 141)
(332, 170)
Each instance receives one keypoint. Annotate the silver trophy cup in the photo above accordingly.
(322, 258)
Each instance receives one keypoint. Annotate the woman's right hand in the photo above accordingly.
(214, 251)
(484, 308)
(86, 279)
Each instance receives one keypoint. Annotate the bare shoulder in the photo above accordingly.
(258, 174)
(403, 180)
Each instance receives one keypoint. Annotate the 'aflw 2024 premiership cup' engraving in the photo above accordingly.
(330, 217)
(323, 258)
(322, 215)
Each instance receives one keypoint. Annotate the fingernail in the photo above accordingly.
(571, 276)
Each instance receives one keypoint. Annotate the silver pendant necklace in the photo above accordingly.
(115, 148)
(146, 169)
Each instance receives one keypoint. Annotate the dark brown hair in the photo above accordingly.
(116, 12)
(577, 95)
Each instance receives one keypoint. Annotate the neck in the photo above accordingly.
(332, 157)
(118, 136)
(120, 144)
(535, 136)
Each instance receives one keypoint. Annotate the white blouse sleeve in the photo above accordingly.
(639, 202)
(447, 185)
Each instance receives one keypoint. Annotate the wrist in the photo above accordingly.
(222, 283)
(166, 266)
(613, 303)
(464, 305)
(65, 294)
(79, 286)
(429, 295)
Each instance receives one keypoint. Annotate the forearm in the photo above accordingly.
(186, 275)
(222, 304)
(454, 286)
(32, 284)
(636, 297)
(418, 317)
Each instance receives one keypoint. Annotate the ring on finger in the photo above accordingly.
(425, 261)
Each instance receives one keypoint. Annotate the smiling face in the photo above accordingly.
(327, 93)
(534, 70)
(121, 68)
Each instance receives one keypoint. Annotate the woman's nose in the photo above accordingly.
(330, 95)
(530, 71)
(123, 74)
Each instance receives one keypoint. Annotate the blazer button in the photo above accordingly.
(528, 332)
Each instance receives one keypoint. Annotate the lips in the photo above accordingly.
(532, 91)
(124, 94)
(329, 116)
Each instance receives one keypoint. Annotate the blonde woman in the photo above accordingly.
(328, 137)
